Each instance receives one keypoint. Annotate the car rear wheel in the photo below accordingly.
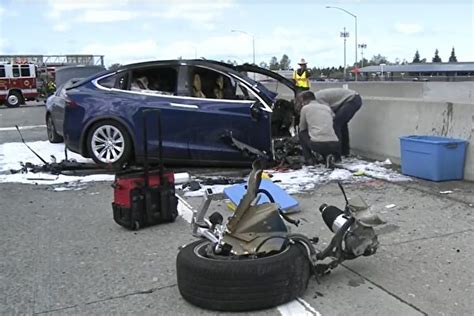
(108, 143)
(53, 136)
(13, 99)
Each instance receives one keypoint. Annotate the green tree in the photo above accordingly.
(263, 65)
(285, 62)
(416, 59)
(115, 66)
(453, 58)
(436, 58)
(363, 62)
(274, 65)
(378, 59)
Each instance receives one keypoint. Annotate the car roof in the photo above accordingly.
(190, 62)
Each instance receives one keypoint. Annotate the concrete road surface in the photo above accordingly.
(62, 253)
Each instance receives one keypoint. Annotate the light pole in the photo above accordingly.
(362, 47)
(253, 42)
(355, 19)
(381, 70)
(344, 35)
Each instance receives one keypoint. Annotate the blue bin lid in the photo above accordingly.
(433, 139)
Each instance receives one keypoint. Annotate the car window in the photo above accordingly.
(158, 80)
(108, 82)
(211, 84)
(2, 71)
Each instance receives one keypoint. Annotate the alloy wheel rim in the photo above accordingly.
(107, 144)
(13, 99)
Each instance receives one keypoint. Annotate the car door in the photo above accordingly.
(129, 103)
(215, 120)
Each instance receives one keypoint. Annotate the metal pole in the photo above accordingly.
(253, 46)
(356, 61)
(344, 55)
(345, 35)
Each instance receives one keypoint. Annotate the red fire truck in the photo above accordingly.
(17, 84)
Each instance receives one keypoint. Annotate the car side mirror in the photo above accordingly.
(255, 111)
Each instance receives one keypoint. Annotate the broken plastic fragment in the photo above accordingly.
(390, 206)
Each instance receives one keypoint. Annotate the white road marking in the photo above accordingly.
(298, 307)
(6, 129)
(185, 211)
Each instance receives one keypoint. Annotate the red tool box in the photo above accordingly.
(145, 197)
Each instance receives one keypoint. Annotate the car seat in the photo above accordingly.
(140, 83)
(197, 88)
(219, 88)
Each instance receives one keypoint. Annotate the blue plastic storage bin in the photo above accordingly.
(433, 157)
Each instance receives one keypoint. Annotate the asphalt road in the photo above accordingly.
(61, 252)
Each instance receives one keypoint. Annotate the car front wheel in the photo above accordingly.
(108, 143)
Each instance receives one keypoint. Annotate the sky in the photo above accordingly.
(127, 31)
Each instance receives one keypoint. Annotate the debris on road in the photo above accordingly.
(389, 206)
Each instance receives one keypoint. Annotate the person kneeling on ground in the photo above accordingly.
(316, 131)
(344, 103)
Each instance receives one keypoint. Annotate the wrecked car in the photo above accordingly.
(207, 107)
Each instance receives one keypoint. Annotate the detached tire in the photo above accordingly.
(109, 144)
(241, 285)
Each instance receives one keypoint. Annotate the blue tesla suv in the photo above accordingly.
(206, 108)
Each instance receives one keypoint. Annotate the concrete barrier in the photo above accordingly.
(376, 128)
(462, 92)
(394, 109)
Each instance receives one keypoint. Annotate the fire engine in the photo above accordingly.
(17, 84)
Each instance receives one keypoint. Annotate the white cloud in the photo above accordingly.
(58, 7)
(3, 44)
(408, 28)
(295, 43)
(2, 11)
(124, 52)
(104, 16)
(61, 27)
(64, 12)
(203, 13)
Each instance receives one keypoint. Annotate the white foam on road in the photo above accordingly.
(7, 129)
(13, 154)
(374, 169)
(293, 181)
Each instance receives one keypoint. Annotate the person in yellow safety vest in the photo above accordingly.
(301, 76)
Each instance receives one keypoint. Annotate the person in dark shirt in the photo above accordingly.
(344, 103)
